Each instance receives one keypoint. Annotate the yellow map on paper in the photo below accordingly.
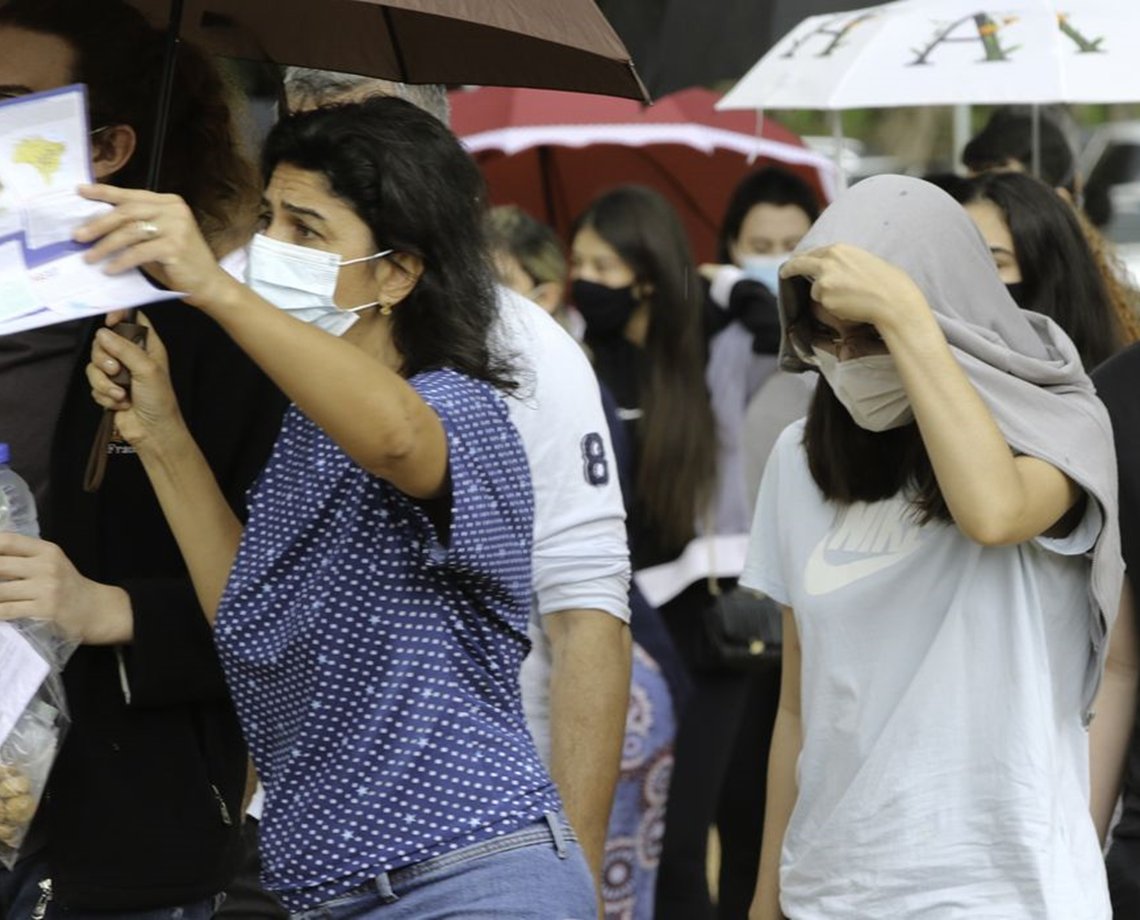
(44, 155)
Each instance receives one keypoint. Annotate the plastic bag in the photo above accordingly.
(33, 720)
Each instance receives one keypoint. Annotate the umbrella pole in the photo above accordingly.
(129, 328)
(961, 134)
(836, 117)
(1035, 140)
(165, 93)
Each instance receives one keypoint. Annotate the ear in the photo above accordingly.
(549, 296)
(396, 277)
(643, 290)
(1065, 195)
(111, 150)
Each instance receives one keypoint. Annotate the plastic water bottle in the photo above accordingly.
(17, 504)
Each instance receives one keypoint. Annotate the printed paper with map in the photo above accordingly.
(44, 154)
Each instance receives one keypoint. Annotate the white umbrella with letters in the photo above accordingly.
(951, 52)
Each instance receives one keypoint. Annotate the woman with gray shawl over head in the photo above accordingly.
(941, 531)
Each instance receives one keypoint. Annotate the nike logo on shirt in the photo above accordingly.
(866, 539)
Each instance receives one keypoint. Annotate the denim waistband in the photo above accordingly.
(551, 829)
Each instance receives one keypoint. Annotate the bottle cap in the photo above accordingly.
(5, 454)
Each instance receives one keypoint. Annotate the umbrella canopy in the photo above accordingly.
(681, 43)
(949, 52)
(560, 44)
(552, 153)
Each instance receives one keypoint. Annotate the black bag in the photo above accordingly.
(743, 629)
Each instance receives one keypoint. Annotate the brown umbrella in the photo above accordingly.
(553, 44)
(550, 44)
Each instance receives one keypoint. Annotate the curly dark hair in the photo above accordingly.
(119, 55)
(409, 179)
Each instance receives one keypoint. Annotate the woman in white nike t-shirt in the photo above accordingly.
(942, 532)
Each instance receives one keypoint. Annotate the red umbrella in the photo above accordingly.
(552, 152)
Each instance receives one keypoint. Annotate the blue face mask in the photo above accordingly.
(302, 281)
(765, 269)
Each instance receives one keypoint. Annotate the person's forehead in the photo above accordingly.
(34, 61)
(991, 222)
(588, 242)
(304, 188)
(765, 218)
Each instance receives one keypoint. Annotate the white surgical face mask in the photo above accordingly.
(765, 269)
(870, 389)
(302, 281)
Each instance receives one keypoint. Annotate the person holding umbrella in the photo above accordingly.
(143, 806)
(372, 616)
(576, 679)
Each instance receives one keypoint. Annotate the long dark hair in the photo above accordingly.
(851, 464)
(1059, 275)
(119, 56)
(770, 185)
(407, 177)
(677, 443)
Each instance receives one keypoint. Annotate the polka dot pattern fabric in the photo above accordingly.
(375, 669)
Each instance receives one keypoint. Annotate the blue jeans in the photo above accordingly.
(537, 873)
(21, 893)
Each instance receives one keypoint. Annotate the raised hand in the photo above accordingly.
(857, 286)
(155, 232)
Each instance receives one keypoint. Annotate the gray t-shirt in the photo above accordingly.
(944, 766)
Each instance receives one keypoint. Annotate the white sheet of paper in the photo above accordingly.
(16, 295)
(22, 670)
(51, 218)
(44, 155)
(72, 288)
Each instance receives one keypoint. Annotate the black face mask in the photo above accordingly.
(1017, 292)
(606, 310)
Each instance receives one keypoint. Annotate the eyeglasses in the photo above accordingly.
(811, 336)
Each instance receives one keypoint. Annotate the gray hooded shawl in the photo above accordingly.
(1025, 368)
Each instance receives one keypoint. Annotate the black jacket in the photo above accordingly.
(143, 805)
(1117, 383)
(754, 306)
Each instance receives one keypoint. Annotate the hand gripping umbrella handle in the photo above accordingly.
(97, 462)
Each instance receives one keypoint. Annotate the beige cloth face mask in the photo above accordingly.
(870, 389)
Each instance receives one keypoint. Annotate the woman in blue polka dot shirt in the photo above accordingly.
(371, 613)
